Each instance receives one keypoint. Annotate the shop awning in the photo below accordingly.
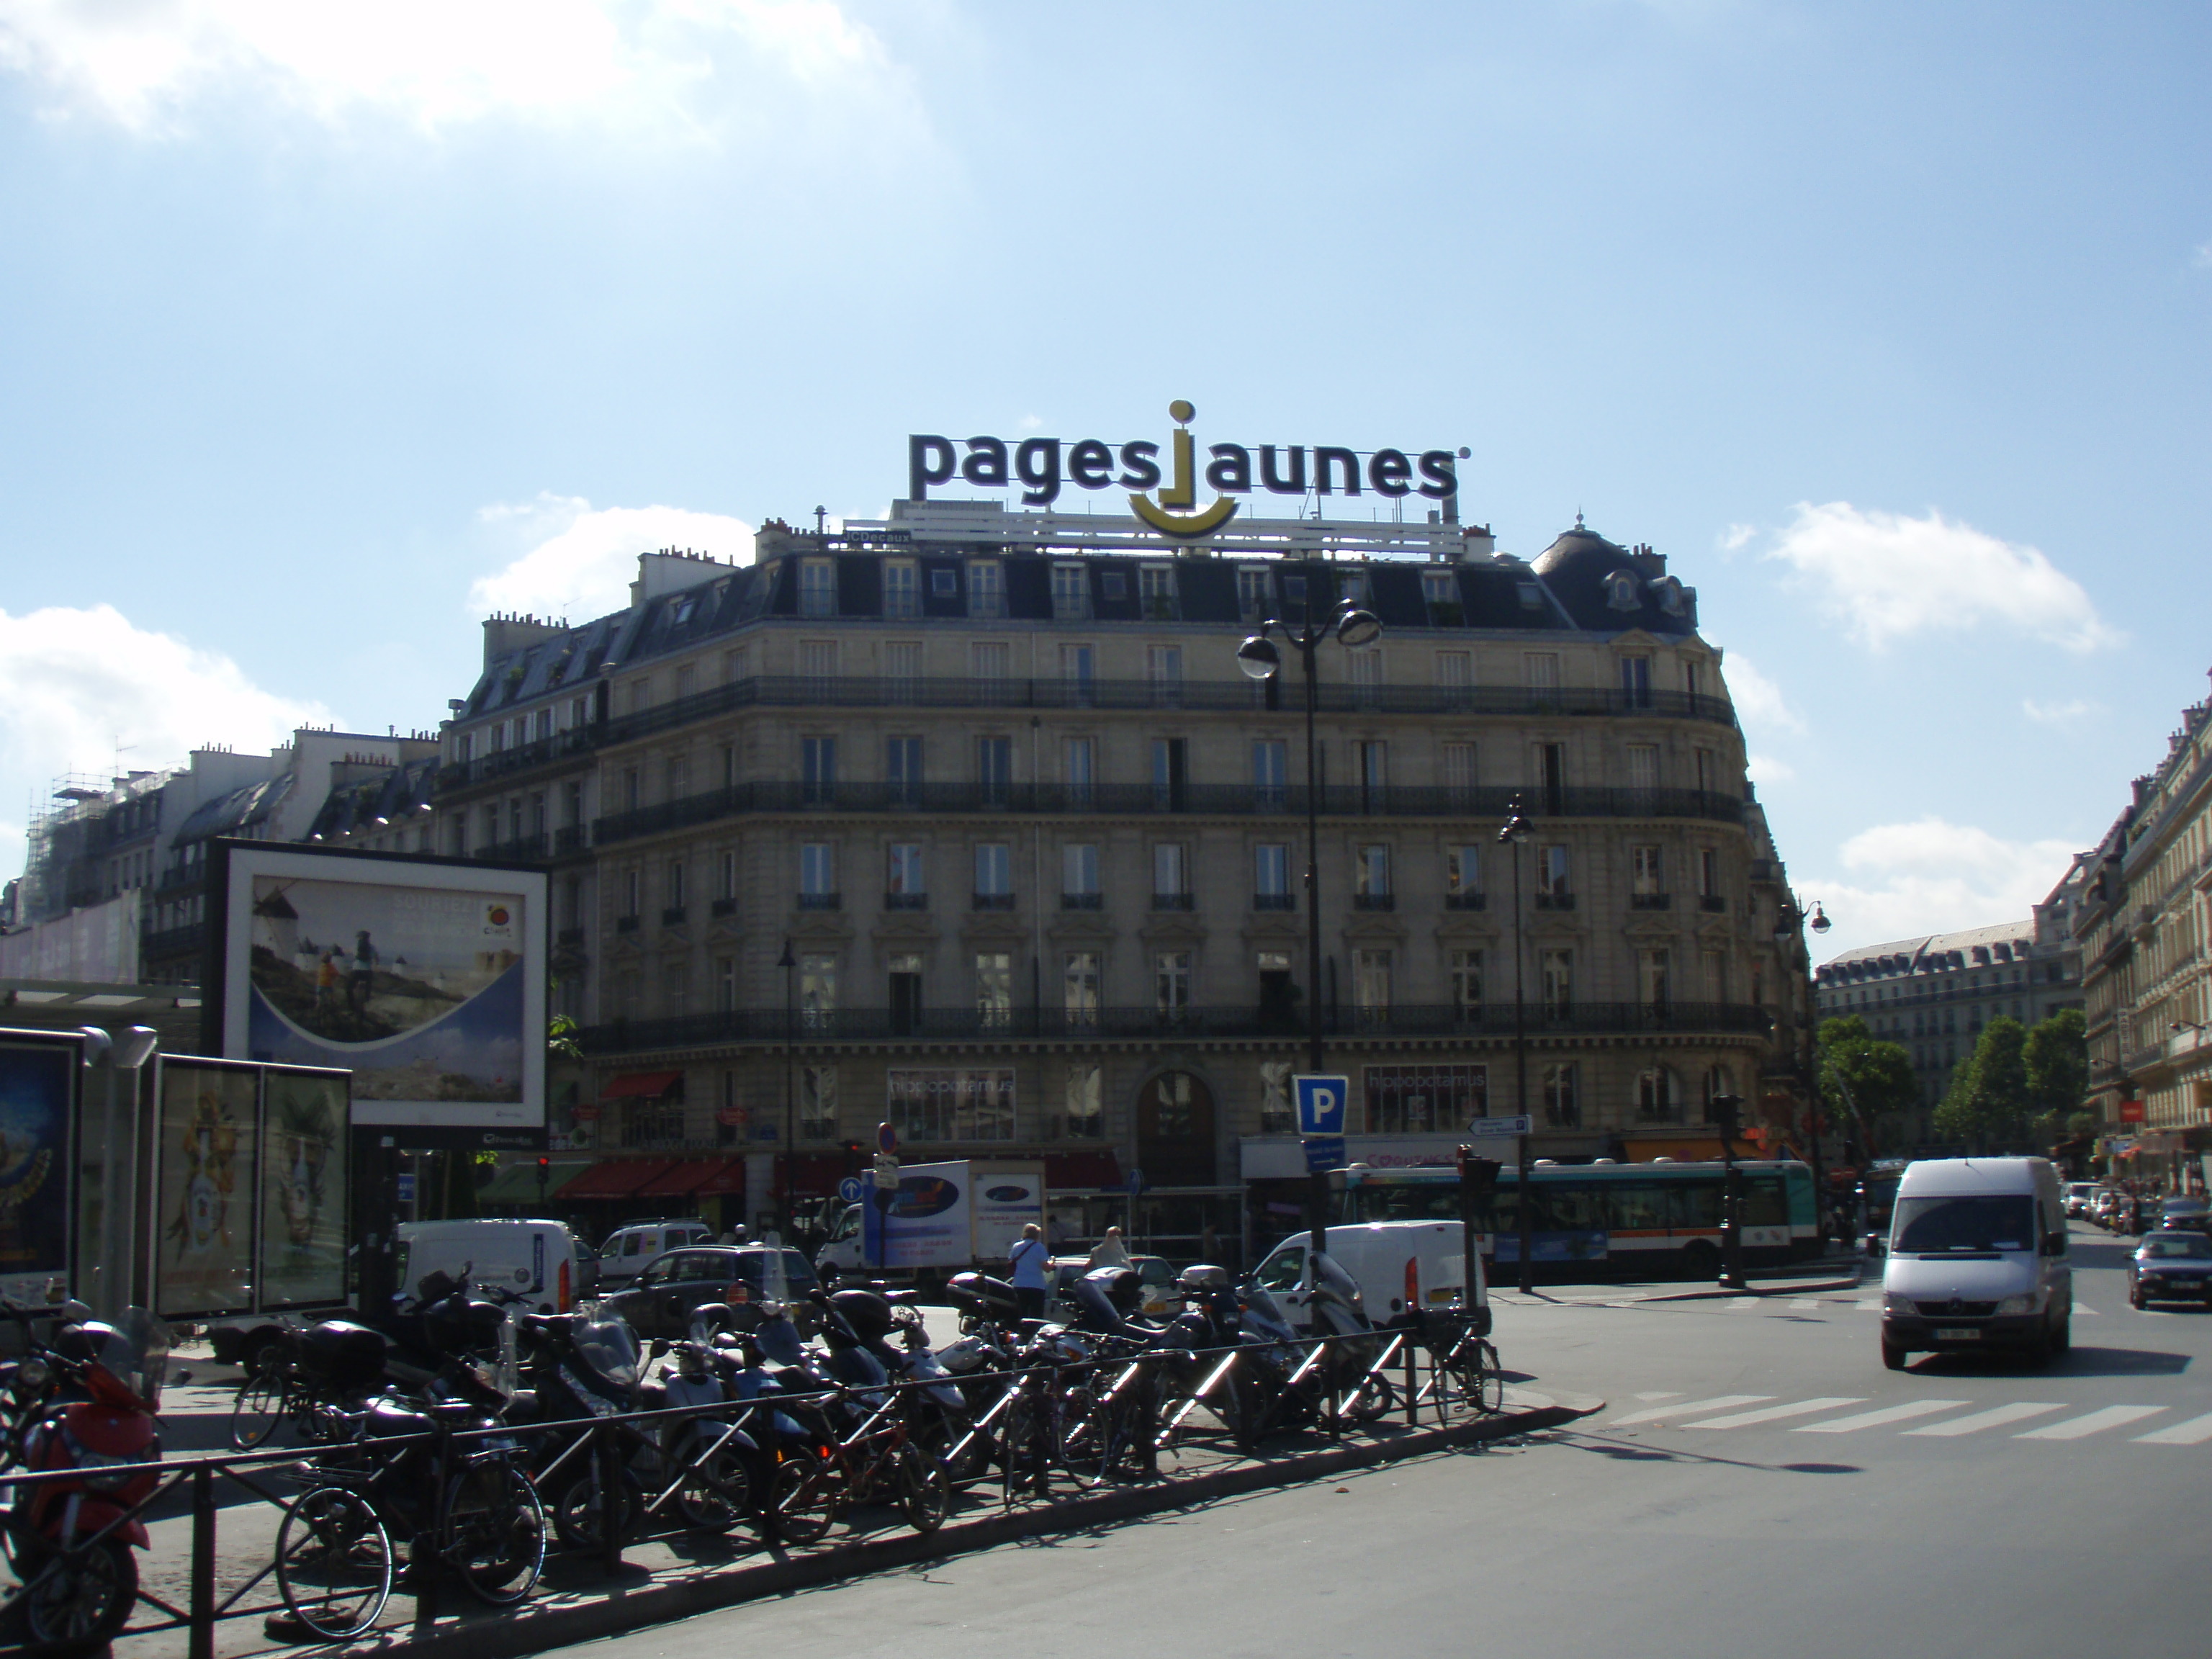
(809, 1175)
(1077, 1172)
(614, 1177)
(640, 1085)
(518, 1182)
(703, 1178)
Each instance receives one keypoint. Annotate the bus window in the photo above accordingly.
(1693, 1208)
(1764, 1204)
(1637, 1208)
(1569, 1209)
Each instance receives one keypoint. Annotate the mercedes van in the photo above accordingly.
(1977, 1259)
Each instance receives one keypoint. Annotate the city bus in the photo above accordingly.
(1639, 1220)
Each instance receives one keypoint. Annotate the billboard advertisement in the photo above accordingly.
(38, 1085)
(425, 977)
(302, 1224)
(206, 1184)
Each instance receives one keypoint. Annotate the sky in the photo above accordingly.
(326, 327)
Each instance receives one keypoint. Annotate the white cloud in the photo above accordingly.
(1767, 769)
(579, 561)
(1759, 700)
(1736, 535)
(2204, 260)
(89, 691)
(2059, 714)
(1904, 881)
(433, 64)
(1885, 577)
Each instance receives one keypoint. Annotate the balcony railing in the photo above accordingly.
(1192, 800)
(672, 916)
(994, 901)
(1082, 901)
(1274, 901)
(524, 849)
(821, 900)
(625, 924)
(723, 907)
(1555, 901)
(1467, 901)
(1650, 901)
(1712, 903)
(906, 900)
(1174, 901)
(1374, 901)
(524, 758)
(1403, 1020)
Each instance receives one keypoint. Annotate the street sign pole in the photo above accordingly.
(1320, 1100)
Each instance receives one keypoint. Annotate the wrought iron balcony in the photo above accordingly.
(1274, 901)
(1174, 901)
(994, 901)
(1374, 901)
(1650, 900)
(821, 900)
(906, 900)
(1082, 901)
(1467, 901)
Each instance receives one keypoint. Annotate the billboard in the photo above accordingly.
(425, 977)
(303, 1222)
(38, 1097)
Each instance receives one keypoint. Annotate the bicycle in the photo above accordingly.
(1462, 1366)
(812, 1483)
(334, 1554)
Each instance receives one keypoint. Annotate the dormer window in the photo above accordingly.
(818, 587)
(987, 590)
(944, 584)
(1620, 592)
(1670, 593)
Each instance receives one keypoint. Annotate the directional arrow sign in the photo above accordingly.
(1499, 1125)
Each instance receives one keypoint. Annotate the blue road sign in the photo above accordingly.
(1320, 1103)
(849, 1189)
(406, 1187)
(1137, 1183)
(1324, 1153)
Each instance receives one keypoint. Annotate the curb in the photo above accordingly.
(491, 1636)
(1800, 1288)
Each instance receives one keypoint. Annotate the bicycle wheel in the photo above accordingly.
(1027, 1447)
(257, 1411)
(1484, 1381)
(802, 1498)
(1375, 1398)
(717, 1491)
(82, 1600)
(579, 1506)
(925, 1489)
(333, 1562)
(494, 1532)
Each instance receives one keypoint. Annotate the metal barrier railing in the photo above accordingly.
(611, 1442)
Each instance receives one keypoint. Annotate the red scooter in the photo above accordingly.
(69, 1541)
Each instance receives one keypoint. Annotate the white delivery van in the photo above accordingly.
(626, 1252)
(540, 1261)
(1977, 1259)
(1398, 1265)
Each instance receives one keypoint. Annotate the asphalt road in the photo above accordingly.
(1758, 1484)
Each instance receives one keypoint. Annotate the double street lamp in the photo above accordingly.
(1259, 658)
(1512, 837)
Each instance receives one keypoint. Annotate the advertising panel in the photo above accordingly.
(37, 1083)
(303, 1189)
(927, 1224)
(424, 977)
(1007, 1197)
(208, 1166)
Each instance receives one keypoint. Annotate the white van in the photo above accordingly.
(628, 1249)
(1397, 1265)
(541, 1260)
(1977, 1259)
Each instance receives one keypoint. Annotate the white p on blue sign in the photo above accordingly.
(1320, 1103)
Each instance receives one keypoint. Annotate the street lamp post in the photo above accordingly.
(788, 963)
(1728, 1118)
(1259, 659)
(1515, 832)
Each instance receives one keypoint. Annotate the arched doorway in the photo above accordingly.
(1174, 1131)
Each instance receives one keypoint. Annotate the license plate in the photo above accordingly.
(1958, 1334)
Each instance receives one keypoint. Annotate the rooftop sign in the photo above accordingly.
(1041, 467)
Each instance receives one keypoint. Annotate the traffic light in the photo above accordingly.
(1478, 1176)
(1726, 1115)
(854, 1151)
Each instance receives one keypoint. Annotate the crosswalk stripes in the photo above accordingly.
(1803, 1304)
(2018, 1412)
(2096, 1422)
(2195, 1432)
(1882, 1416)
(1775, 1413)
(1692, 1408)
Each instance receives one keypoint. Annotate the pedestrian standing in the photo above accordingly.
(1027, 1258)
(1111, 1251)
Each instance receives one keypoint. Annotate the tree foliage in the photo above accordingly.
(2056, 1056)
(1865, 1080)
(1988, 1105)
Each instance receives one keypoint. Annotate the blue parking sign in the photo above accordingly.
(1320, 1103)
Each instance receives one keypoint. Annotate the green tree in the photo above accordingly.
(1988, 1105)
(1865, 1080)
(2056, 1056)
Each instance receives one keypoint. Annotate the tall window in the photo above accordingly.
(1463, 877)
(818, 587)
(1422, 1099)
(1657, 1101)
(1078, 667)
(1563, 1107)
(1371, 889)
(1643, 773)
(901, 588)
(1271, 877)
(1079, 986)
(817, 990)
(1558, 981)
(902, 670)
(1467, 983)
(725, 878)
(1373, 760)
(672, 887)
(1086, 1113)
(1276, 1117)
(995, 876)
(1171, 984)
(987, 588)
(726, 985)
(991, 660)
(1439, 589)
(817, 764)
(1163, 667)
(902, 770)
(736, 665)
(994, 769)
(1719, 1081)
(1647, 877)
(1715, 975)
(1271, 773)
(1455, 670)
(1709, 872)
(1656, 971)
(1370, 982)
(817, 875)
(904, 887)
(1459, 770)
(1155, 591)
(995, 987)
(1171, 876)
(818, 1103)
(1367, 677)
(633, 892)
(932, 1104)
(1553, 868)
(1254, 602)
(1071, 594)
(1636, 682)
(1079, 876)
(1079, 757)
(1547, 772)
(905, 987)
(1540, 673)
(1170, 772)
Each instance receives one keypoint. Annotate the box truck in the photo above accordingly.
(945, 1219)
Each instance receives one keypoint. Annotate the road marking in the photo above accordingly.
(1869, 1304)
(1719, 1403)
(1882, 1418)
(1803, 1304)
(1774, 1413)
(2019, 1412)
(1676, 1394)
(2194, 1432)
(1739, 1303)
(2075, 1428)
(2078, 1309)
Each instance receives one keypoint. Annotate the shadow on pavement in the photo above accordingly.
(2078, 1361)
(1622, 1452)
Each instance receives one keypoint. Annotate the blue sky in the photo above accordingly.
(324, 326)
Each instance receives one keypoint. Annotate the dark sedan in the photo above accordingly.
(2171, 1267)
(662, 1299)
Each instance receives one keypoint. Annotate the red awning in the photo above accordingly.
(614, 1177)
(706, 1177)
(1075, 1172)
(810, 1175)
(636, 1085)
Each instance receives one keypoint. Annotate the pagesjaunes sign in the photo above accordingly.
(1042, 467)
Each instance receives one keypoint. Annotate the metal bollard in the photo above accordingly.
(608, 1474)
(1413, 1400)
(200, 1644)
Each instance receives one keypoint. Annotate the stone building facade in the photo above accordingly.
(965, 821)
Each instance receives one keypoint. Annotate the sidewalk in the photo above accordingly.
(1833, 1272)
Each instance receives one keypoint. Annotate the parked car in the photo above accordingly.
(2172, 1266)
(626, 1252)
(2192, 1213)
(2079, 1193)
(662, 1298)
(1163, 1298)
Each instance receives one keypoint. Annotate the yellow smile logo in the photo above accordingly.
(1183, 491)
